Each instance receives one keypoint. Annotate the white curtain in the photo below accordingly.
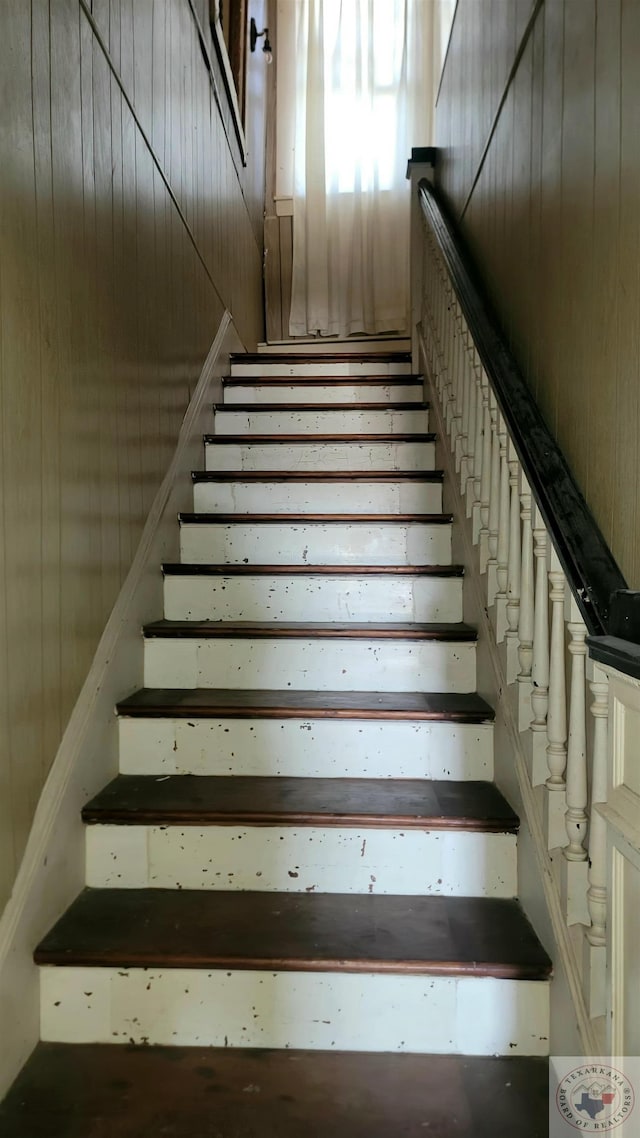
(363, 98)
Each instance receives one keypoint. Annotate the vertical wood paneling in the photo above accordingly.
(628, 397)
(554, 221)
(20, 359)
(533, 333)
(109, 297)
(50, 380)
(601, 423)
(286, 269)
(551, 188)
(273, 304)
(578, 130)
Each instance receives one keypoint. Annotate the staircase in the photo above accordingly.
(300, 913)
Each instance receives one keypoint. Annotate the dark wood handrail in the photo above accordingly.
(591, 570)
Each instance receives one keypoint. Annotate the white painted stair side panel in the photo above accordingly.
(326, 393)
(316, 1010)
(315, 859)
(334, 543)
(348, 497)
(306, 748)
(280, 597)
(326, 422)
(310, 664)
(317, 457)
(320, 368)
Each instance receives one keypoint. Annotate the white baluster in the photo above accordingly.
(595, 950)
(494, 503)
(457, 380)
(537, 737)
(525, 624)
(597, 895)
(447, 340)
(485, 478)
(478, 451)
(437, 325)
(514, 569)
(576, 815)
(502, 573)
(574, 868)
(461, 447)
(557, 712)
(466, 487)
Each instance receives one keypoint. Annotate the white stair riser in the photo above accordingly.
(316, 598)
(310, 665)
(320, 367)
(327, 393)
(320, 1011)
(396, 497)
(320, 422)
(374, 346)
(307, 859)
(306, 748)
(321, 456)
(361, 543)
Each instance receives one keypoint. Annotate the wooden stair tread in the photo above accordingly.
(101, 1091)
(260, 800)
(252, 408)
(189, 569)
(323, 381)
(317, 476)
(199, 518)
(310, 932)
(397, 357)
(233, 703)
(311, 630)
(306, 439)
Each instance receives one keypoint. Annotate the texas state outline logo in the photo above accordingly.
(593, 1097)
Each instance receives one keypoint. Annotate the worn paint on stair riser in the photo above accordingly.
(325, 393)
(346, 497)
(295, 598)
(310, 665)
(191, 1007)
(321, 456)
(306, 748)
(309, 859)
(319, 367)
(327, 422)
(316, 544)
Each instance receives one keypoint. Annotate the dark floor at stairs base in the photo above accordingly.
(93, 1091)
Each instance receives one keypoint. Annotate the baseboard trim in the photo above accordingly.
(52, 869)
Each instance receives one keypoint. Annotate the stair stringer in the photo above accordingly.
(572, 1031)
(52, 872)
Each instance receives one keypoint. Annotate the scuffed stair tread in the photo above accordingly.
(323, 381)
(186, 703)
(391, 356)
(101, 1091)
(317, 476)
(260, 800)
(252, 408)
(313, 630)
(309, 519)
(198, 569)
(309, 932)
(307, 439)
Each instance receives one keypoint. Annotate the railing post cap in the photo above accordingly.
(422, 161)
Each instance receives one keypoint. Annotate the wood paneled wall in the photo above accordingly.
(543, 171)
(127, 224)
